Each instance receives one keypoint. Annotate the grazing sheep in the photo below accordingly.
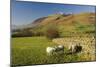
(56, 49)
(50, 50)
(74, 48)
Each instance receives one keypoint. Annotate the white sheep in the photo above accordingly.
(50, 50)
(56, 49)
(75, 47)
(72, 48)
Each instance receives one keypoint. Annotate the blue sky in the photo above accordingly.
(27, 12)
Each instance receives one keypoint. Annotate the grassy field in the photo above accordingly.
(32, 50)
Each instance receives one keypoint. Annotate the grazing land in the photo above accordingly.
(32, 50)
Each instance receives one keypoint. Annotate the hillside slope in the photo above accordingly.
(67, 19)
(66, 24)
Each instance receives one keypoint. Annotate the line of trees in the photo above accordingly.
(23, 33)
(49, 33)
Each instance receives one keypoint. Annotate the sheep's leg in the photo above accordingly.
(48, 54)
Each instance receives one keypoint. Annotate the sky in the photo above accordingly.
(26, 12)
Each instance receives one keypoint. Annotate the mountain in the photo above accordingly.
(66, 19)
(38, 20)
(60, 19)
(82, 22)
(84, 18)
(15, 27)
(45, 20)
